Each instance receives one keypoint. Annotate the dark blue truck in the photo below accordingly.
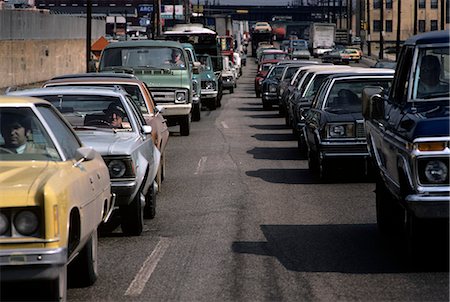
(408, 138)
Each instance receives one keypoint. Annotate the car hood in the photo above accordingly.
(430, 120)
(159, 78)
(21, 182)
(331, 117)
(109, 143)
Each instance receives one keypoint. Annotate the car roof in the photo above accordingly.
(359, 70)
(361, 74)
(69, 90)
(101, 80)
(144, 43)
(22, 100)
(96, 75)
(438, 36)
(269, 51)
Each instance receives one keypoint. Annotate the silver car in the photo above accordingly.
(109, 121)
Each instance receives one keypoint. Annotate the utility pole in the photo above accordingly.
(349, 19)
(397, 42)
(381, 52)
(88, 33)
(415, 17)
(443, 14)
(173, 13)
(368, 38)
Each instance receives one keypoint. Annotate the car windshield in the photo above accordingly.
(345, 96)
(23, 137)
(273, 56)
(275, 72)
(432, 75)
(290, 73)
(314, 85)
(205, 62)
(91, 111)
(143, 58)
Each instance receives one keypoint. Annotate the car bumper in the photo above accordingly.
(176, 109)
(270, 97)
(31, 264)
(344, 149)
(429, 206)
(228, 84)
(208, 94)
(124, 191)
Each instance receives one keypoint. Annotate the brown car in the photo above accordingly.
(140, 95)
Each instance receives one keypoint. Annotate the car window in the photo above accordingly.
(144, 57)
(137, 113)
(401, 81)
(96, 111)
(23, 137)
(345, 95)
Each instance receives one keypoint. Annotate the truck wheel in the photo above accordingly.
(185, 126)
(150, 202)
(196, 112)
(231, 89)
(212, 105)
(83, 271)
(390, 215)
(414, 239)
(132, 216)
(218, 102)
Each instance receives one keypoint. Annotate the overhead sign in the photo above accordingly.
(145, 8)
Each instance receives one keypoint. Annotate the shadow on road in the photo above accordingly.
(281, 137)
(275, 153)
(270, 115)
(251, 109)
(284, 176)
(345, 248)
(270, 127)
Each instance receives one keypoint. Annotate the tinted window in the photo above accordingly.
(401, 80)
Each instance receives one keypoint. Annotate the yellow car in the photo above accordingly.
(54, 194)
(351, 55)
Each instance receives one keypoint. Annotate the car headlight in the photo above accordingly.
(180, 97)
(4, 224)
(117, 168)
(340, 130)
(26, 222)
(272, 88)
(434, 171)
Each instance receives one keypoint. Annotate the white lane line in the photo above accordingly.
(137, 285)
(200, 165)
(224, 125)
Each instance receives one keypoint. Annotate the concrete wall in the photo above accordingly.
(36, 46)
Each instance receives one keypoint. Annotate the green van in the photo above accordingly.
(164, 67)
(196, 80)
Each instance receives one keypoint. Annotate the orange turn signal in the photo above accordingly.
(431, 146)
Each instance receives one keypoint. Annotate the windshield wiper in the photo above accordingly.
(123, 69)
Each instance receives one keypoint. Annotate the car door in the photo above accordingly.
(89, 179)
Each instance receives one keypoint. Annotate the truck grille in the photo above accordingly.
(163, 96)
(360, 130)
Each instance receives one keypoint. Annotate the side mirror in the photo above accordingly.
(159, 109)
(84, 154)
(146, 129)
(372, 102)
(196, 68)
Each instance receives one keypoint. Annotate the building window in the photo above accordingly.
(376, 25)
(389, 26)
(376, 3)
(422, 3)
(389, 4)
(434, 3)
(421, 26)
(434, 25)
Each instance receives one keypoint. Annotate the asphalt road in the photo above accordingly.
(240, 218)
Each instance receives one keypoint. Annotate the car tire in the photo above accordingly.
(83, 270)
(281, 110)
(218, 102)
(150, 202)
(132, 216)
(258, 94)
(390, 215)
(196, 112)
(415, 236)
(267, 106)
(323, 170)
(231, 89)
(185, 125)
(301, 144)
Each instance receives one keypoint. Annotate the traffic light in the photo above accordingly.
(362, 25)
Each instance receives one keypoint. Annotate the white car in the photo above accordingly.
(262, 27)
(238, 63)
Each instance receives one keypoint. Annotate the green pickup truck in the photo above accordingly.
(164, 67)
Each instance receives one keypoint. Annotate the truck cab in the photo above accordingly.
(408, 138)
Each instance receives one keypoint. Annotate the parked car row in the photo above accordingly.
(393, 125)
(85, 145)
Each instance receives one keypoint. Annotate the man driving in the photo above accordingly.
(16, 129)
(430, 72)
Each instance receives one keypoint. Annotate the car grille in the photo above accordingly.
(163, 96)
(360, 130)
